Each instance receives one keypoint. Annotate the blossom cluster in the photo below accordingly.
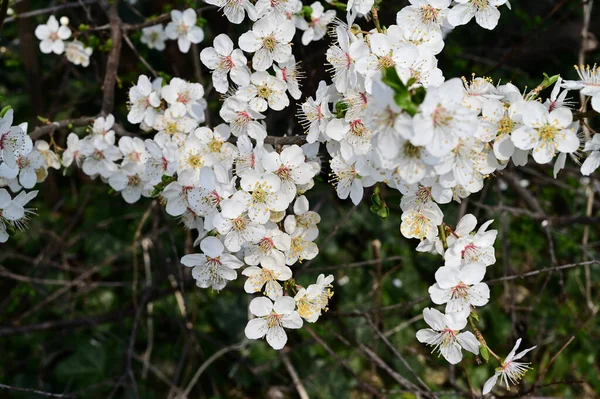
(182, 28)
(388, 116)
(22, 165)
(235, 196)
(53, 39)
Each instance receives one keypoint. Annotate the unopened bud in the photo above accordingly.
(64, 21)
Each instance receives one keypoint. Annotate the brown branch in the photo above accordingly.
(546, 270)
(40, 131)
(112, 65)
(70, 324)
(36, 392)
(50, 10)
(138, 55)
(397, 354)
(366, 386)
(543, 373)
(392, 373)
(150, 22)
(295, 378)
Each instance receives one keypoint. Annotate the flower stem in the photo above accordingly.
(481, 339)
(375, 13)
(442, 231)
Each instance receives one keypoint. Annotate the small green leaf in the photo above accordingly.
(485, 353)
(340, 109)
(306, 11)
(549, 80)
(384, 212)
(390, 77)
(376, 199)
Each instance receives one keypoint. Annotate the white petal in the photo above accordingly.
(261, 306)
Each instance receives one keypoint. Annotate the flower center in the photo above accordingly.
(215, 145)
(284, 173)
(242, 118)
(183, 97)
(259, 195)
(386, 62)
(480, 4)
(98, 155)
(266, 245)
(547, 132)
(182, 29)
(134, 180)
(171, 128)
(441, 117)
(239, 224)
(505, 126)
(195, 161)
(226, 63)
(263, 91)
(273, 320)
(23, 162)
(411, 151)
(429, 14)
(269, 42)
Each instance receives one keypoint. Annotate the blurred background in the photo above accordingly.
(94, 301)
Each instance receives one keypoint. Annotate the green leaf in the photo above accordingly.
(485, 353)
(340, 109)
(376, 199)
(549, 80)
(306, 11)
(384, 212)
(390, 77)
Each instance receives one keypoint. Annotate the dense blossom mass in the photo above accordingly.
(388, 116)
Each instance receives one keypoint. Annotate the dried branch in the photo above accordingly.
(295, 378)
(50, 10)
(112, 65)
(396, 353)
(208, 362)
(36, 392)
(546, 270)
(40, 131)
(138, 55)
(366, 386)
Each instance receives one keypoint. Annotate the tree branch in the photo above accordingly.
(36, 392)
(50, 10)
(112, 65)
(546, 270)
(40, 131)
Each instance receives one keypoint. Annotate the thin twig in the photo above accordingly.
(50, 10)
(546, 270)
(366, 386)
(36, 392)
(396, 353)
(208, 362)
(295, 378)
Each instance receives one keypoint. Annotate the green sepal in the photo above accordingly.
(5, 110)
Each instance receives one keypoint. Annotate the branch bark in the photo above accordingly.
(112, 65)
